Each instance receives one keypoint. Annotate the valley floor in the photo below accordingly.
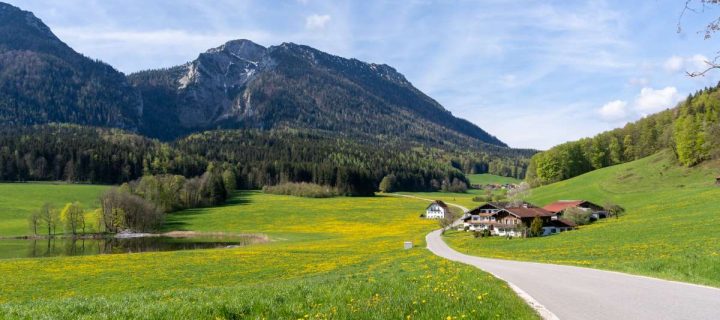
(335, 258)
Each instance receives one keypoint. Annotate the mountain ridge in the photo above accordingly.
(239, 84)
(242, 89)
(43, 80)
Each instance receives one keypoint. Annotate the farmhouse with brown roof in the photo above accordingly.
(504, 220)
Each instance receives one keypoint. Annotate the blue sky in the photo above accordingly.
(533, 73)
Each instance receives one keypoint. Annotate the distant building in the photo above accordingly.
(483, 216)
(558, 207)
(511, 220)
(436, 210)
(504, 219)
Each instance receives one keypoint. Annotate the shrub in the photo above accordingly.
(122, 210)
(536, 227)
(482, 198)
(455, 186)
(577, 215)
(302, 189)
(388, 184)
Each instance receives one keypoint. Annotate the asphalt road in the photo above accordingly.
(566, 292)
(581, 293)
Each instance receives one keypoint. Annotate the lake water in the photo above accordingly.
(36, 248)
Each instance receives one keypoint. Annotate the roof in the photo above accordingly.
(494, 205)
(523, 212)
(561, 205)
(439, 203)
(561, 223)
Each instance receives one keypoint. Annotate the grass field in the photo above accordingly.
(486, 178)
(335, 258)
(18, 200)
(670, 229)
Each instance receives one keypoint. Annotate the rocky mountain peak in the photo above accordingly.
(241, 48)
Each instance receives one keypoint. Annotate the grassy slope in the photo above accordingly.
(486, 178)
(670, 229)
(18, 200)
(331, 258)
(463, 199)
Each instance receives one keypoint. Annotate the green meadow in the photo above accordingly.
(670, 229)
(18, 200)
(337, 258)
(486, 178)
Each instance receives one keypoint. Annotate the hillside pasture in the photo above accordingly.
(669, 230)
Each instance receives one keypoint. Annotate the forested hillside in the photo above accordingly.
(691, 130)
(43, 80)
(257, 157)
(300, 115)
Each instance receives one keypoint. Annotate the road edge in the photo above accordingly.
(541, 310)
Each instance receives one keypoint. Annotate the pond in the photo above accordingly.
(35, 248)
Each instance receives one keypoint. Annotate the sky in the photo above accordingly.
(533, 73)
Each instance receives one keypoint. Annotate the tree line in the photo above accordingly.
(140, 205)
(691, 130)
(255, 158)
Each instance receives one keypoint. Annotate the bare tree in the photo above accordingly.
(697, 7)
(449, 219)
(73, 216)
(518, 195)
(50, 217)
(34, 222)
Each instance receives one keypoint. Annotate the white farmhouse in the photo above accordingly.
(436, 210)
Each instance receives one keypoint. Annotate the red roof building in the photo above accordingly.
(560, 206)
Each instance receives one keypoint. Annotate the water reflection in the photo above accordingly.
(78, 247)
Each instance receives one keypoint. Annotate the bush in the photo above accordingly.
(302, 189)
(388, 184)
(482, 198)
(122, 210)
(455, 186)
(577, 215)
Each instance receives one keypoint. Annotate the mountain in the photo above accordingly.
(244, 85)
(239, 84)
(43, 80)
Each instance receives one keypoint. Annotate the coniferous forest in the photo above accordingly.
(256, 158)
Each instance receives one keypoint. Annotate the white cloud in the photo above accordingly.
(674, 64)
(614, 110)
(651, 100)
(315, 21)
(698, 62)
(648, 101)
(693, 63)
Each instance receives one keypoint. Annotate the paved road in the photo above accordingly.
(582, 293)
(567, 292)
